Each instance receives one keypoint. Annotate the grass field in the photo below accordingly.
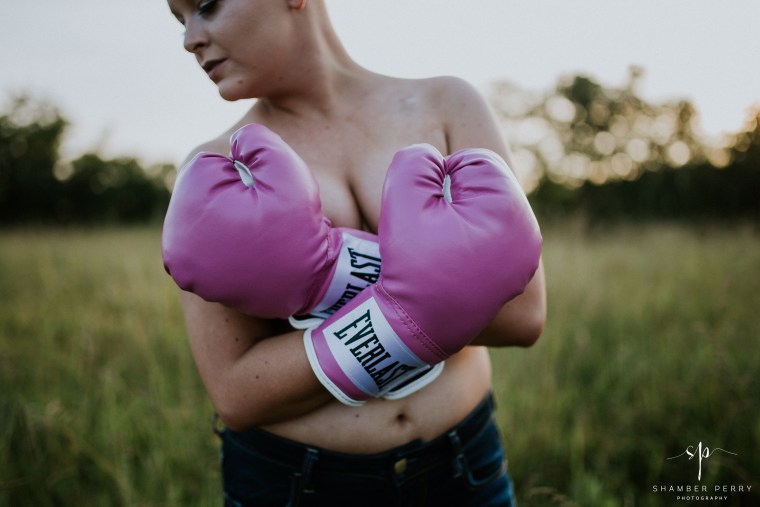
(651, 346)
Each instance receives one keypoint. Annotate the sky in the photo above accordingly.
(117, 71)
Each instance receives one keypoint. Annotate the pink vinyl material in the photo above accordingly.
(458, 240)
(248, 230)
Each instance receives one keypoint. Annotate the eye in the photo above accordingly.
(207, 8)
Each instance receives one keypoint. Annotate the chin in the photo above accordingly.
(233, 93)
(230, 97)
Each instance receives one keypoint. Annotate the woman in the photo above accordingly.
(287, 440)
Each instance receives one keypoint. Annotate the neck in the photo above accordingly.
(319, 72)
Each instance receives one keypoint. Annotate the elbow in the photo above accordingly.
(532, 312)
(237, 411)
(533, 323)
(519, 330)
(237, 419)
(243, 409)
(233, 419)
(533, 327)
(507, 331)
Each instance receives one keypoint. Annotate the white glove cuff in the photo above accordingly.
(357, 267)
(359, 355)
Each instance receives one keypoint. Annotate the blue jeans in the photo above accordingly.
(463, 467)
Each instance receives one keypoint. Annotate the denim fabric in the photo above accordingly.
(464, 467)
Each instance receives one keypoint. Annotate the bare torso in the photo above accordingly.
(346, 123)
(381, 424)
(348, 152)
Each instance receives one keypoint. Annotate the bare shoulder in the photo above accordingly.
(452, 96)
(466, 116)
(444, 95)
(452, 92)
(220, 145)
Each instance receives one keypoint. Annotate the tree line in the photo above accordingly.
(37, 186)
(607, 154)
(582, 148)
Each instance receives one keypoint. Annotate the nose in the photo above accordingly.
(195, 37)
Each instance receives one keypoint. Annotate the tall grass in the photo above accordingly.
(100, 403)
(650, 346)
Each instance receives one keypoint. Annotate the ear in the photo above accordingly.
(296, 5)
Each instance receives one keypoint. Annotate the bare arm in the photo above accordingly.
(255, 371)
(253, 375)
(521, 321)
(471, 124)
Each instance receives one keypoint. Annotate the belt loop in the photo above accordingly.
(458, 461)
(302, 479)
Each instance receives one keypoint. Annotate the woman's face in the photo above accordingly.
(240, 44)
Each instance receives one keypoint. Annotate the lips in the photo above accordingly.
(212, 67)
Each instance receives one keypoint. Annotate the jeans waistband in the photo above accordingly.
(406, 458)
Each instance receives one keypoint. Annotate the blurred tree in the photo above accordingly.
(744, 189)
(696, 191)
(745, 147)
(117, 190)
(625, 156)
(36, 186)
(583, 131)
(583, 147)
(30, 135)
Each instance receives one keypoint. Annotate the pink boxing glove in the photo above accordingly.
(458, 240)
(248, 231)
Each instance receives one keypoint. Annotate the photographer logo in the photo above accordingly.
(701, 453)
(701, 492)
